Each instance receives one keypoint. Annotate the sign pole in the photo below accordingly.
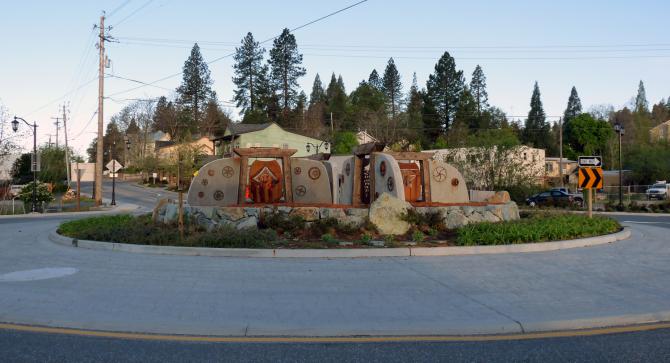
(590, 203)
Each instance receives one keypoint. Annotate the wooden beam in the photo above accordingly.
(411, 155)
(264, 152)
(244, 178)
(288, 181)
(372, 172)
(356, 198)
(425, 180)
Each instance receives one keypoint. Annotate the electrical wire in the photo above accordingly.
(147, 3)
(121, 6)
(231, 54)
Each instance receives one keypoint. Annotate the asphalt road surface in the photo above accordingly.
(648, 346)
(129, 290)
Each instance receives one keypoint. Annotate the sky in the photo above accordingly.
(604, 48)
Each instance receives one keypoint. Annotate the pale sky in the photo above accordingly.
(604, 48)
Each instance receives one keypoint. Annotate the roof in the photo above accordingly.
(161, 144)
(558, 159)
(240, 128)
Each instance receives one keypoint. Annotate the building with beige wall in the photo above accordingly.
(660, 132)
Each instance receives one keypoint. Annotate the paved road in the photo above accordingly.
(378, 296)
(651, 346)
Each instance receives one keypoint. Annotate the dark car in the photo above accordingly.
(554, 198)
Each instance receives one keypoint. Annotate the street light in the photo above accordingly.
(619, 129)
(324, 144)
(15, 128)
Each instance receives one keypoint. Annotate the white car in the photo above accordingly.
(658, 191)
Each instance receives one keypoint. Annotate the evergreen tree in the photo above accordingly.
(392, 87)
(444, 88)
(574, 108)
(215, 120)
(466, 113)
(248, 68)
(432, 125)
(318, 94)
(195, 89)
(165, 117)
(375, 81)
(336, 100)
(641, 103)
(536, 129)
(285, 68)
(414, 110)
(478, 90)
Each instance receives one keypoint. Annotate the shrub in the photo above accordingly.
(366, 238)
(328, 238)
(43, 195)
(282, 222)
(539, 228)
(418, 236)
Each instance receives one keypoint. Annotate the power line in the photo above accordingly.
(133, 13)
(231, 54)
(121, 6)
(61, 97)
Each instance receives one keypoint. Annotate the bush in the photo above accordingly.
(43, 195)
(142, 230)
(538, 228)
(282, 223)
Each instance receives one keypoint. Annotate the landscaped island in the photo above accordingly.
(281, 231)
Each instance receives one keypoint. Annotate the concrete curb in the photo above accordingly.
(341, 253)
(513, 330)
(121, 208)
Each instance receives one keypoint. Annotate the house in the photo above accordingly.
(483, 167)
(569, 174)
(363, 137)
(166, 149)
(238, 135)
(660, 132)
(6, 163)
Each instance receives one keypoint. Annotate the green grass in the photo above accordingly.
(142, 230)
(537, 228)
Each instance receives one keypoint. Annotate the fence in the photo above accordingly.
(631, 193)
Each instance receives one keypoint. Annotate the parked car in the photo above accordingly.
(556, 198)
(658, 191)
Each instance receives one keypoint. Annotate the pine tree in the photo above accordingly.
(195, 89)
(574, 108)
(414, 106)
(285, 68)
(467, 111)
(318, 94)
(478, 90)
(336, 99)
(248, 68)
(536, 129)
(165, 117)
(444, 88)
(641, 103)
(375, 81)
(392, 87)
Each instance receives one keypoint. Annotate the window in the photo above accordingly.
(285, 146)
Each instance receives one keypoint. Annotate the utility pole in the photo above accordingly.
(560, 149)
(57, 123)
(67, 151)
(102, 38)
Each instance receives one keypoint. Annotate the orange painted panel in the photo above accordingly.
(265, 181)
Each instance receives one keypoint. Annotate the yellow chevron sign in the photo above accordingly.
(591, 178)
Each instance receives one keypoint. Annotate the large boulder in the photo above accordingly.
(249, 222)
(231, 213)
(499, 197)
(386, 213)
(159, 209)
(171, 213)
(309, 214)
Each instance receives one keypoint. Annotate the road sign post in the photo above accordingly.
(590, 177)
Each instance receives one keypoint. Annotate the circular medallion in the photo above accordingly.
(454, 182)
(228, 171)
(218, 195)
(210, 172)
(314, 173)
(347, 169)
(297, 170)
(201, 194)
(204, 182)
(382, 168)
(440, 174)
(300, 190)
(389, 184)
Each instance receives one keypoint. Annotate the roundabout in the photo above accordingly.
(605, 285)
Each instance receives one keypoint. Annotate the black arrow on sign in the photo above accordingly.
(590, 178)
